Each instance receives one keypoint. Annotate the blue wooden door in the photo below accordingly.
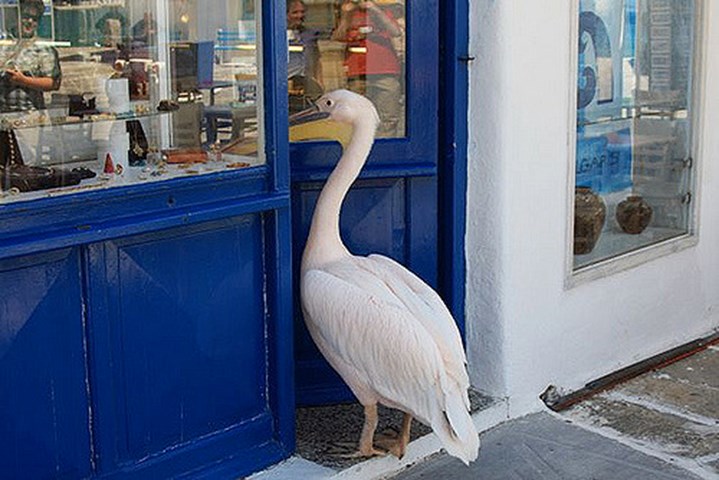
(392, 208)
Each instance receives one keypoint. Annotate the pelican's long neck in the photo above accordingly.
(324, 243)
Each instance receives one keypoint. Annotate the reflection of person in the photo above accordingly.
(371, 62)
(144, 30)
(304, 70)
(29, 69)
(305, 60)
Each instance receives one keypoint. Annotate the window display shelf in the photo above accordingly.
(636, 113)
(613, 241)
(138, 175)
(37, 119)
(91, 6)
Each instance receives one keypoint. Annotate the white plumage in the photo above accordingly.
(384, 330)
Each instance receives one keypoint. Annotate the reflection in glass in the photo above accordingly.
(106, 93)
(358, 45)
(634, 124)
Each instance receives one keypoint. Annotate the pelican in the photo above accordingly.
(383, 329)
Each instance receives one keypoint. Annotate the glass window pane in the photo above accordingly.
(353, 44)
(107, 93)
(634, 125)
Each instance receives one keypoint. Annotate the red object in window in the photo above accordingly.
(370, 50)
(109, 166)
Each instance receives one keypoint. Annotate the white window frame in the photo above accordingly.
(631, 259)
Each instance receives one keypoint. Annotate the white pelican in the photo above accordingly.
(384, 330)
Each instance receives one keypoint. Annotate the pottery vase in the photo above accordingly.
(589, 214)
(633, 214)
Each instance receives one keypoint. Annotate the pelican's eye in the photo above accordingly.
(328, 102)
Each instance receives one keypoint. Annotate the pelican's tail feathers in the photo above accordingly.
(456, 430)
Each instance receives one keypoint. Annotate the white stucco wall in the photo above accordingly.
(526, 330)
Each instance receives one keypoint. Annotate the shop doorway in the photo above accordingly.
(394, 207)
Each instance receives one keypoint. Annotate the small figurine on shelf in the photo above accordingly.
(137, 155)
(216, 151)
(109, 166)
(153, 156)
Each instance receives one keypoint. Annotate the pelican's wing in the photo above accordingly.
(369, 337)
(428, 308)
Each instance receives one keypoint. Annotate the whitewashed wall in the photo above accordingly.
(526, 330)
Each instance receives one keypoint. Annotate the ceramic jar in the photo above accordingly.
(633, 214)
(589, 214)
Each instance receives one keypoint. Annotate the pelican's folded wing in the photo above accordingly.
(376, 339)
(428, 308)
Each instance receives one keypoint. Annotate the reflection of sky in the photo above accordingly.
(630, 28)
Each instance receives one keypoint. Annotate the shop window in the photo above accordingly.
(357, 45)
(97, 94)
(635, 128)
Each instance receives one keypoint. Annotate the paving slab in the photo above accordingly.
(662, 431)
(701, 369)
(542, 446)
(664, 390)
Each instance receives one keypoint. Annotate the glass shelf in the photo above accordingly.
(636, 113)
(38, 119)
(90, 6)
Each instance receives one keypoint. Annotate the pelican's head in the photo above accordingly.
(333, 117)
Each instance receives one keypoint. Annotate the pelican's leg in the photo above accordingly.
(401, 446)
(366, 445)
(396, 443)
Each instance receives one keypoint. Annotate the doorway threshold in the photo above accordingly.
(327, 434)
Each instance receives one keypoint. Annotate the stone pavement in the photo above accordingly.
(663, 424)
(541, 446)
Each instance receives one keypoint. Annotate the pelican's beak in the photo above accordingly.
(312, 124)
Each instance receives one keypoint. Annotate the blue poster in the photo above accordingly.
(604, 161)
(604, 140)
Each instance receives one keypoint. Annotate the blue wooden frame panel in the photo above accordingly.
(43, 396)
(87, 217)
(453, 110)
(144, 320)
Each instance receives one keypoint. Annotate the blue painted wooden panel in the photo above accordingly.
(454, 85)
(92, 216)
(391, 216)
(43, 396)
(184, 352)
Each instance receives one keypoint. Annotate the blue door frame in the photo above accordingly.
(119, 360)
(409, 200)
(453, 111)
